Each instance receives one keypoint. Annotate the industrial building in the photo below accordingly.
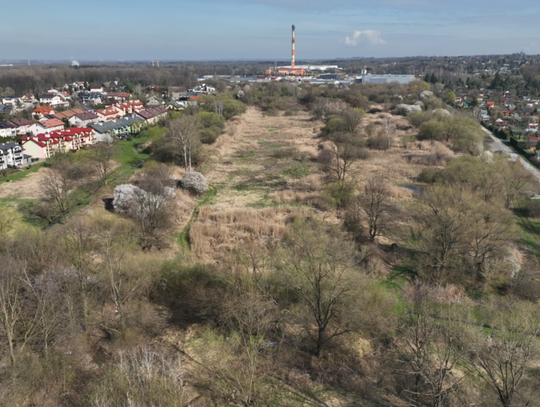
(403, 79)
(298, 70)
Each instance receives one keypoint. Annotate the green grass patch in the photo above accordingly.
(246, 155)
(25, 207)
(20, 174)
(269, 145)
(298, 171)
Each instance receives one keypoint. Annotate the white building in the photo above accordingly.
(11, 155)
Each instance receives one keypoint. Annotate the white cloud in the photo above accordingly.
(372, 36)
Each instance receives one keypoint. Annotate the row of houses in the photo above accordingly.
(54, 138)
(43, 146)
(49, 120)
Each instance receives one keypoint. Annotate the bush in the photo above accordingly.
(363, 154)
(378, 143)
(429, 175)
(194, 181)
(340, 194)
(272, 112)
(531, 208)
(211, 120)
(282, 153)
(208, 136)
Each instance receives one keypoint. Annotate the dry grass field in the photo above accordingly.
(29, 187)
(265, 174)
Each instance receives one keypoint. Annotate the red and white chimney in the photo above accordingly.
(293, 63)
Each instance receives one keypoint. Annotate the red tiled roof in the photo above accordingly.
(39, 143)
(51, 123)
(44, 110)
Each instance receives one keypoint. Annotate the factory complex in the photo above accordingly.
(316, 74)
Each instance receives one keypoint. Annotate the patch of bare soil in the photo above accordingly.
(30, 187)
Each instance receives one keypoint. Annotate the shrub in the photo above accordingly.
(378, 143)
(340, 194)
(429, 175)
(272, 112)
(208, 136)
(211, 120)
(531, 208)
(194, 181)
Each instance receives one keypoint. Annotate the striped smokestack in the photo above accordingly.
(293, 61)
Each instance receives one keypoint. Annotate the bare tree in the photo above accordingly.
(56, 190)
(317, 264)
(372, 211)
(184, 132)
(147, 209)
(142, 377)
(78, 243)
(101, 156)
(502, 361)
(351, 120)
(428, 352)
(515, 180)
(18, 317)
(343, 156)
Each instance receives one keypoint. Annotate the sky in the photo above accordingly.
(261, 29)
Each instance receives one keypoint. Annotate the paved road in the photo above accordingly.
(496, 145)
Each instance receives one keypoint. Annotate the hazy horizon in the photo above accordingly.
(243, 30)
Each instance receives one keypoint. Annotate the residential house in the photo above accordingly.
(11, 101)
(118, 96)
(154, 101)
(11, 155)
(84, 119)
(53, 99)
(68, 114)
(501, 123)
(152, 116)
(48, 126)
(28, 98)
(6, 110)
(203, 89)
(42, 111)
(75, 138)
(41, 146)
(91, 98)
(7, 129)
(111, 113)
(185, 101)
(124, 126)
(96, 88)
(130, 107)
(24, 126)
(533, 142)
